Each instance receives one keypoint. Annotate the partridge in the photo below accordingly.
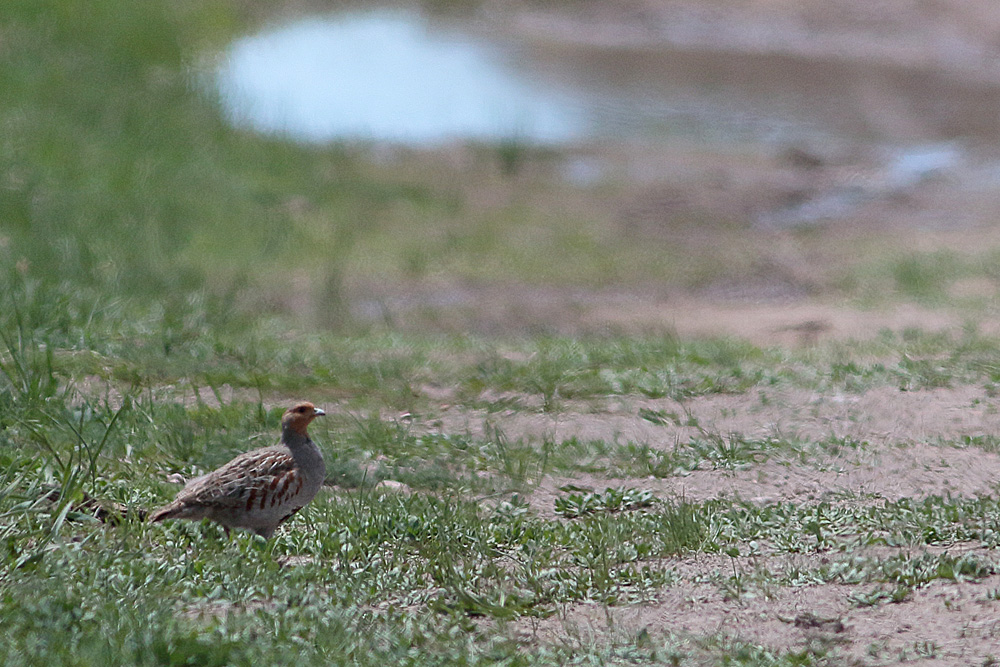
(260, 489)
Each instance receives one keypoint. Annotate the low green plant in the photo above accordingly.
(577, 504)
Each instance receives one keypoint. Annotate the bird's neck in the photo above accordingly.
(305, 452)
(294, 439)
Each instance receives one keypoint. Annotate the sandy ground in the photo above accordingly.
(911, 447)
(941, 624)
(912, 444)
(957, 35)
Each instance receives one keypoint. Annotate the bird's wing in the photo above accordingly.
(252, 480)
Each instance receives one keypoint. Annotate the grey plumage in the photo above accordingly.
(261, 489)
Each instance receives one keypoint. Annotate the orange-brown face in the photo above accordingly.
(298, 417)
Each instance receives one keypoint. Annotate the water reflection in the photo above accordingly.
(387, 76)
(403, 77)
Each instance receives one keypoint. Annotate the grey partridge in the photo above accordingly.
(260, 489)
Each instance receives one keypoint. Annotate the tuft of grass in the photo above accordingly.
(925, 276)
(612, 500)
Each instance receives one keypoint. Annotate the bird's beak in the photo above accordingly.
(318, 412)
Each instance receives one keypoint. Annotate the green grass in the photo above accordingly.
(365, 576)
(364, 557)
(386, 577)
(168, 284)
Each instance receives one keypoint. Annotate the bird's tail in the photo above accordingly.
(166, 512)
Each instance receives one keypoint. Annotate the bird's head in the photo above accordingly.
(298, 417)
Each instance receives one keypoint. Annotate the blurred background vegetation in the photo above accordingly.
(129, 204)
(126, 199)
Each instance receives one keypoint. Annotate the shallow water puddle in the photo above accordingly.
(388, 75)
(402, 76)
(405, 76)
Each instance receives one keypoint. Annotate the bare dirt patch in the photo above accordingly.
(944, 623)
(899, 444)
(911, 447)
(769, 309)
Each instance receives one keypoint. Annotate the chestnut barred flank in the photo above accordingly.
(261, 489)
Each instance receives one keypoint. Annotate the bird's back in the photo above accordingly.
(257, 490)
